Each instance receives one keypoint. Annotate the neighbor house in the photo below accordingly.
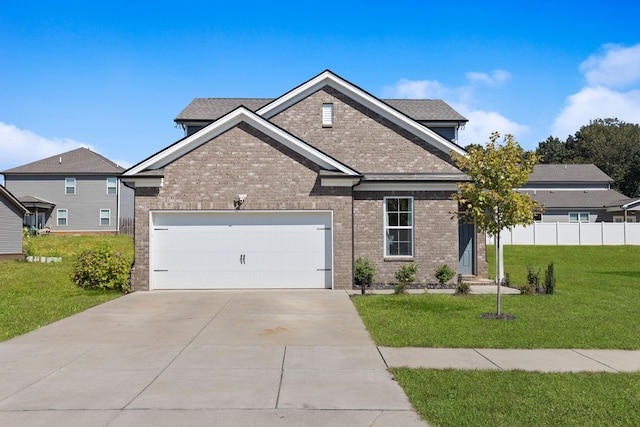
(288, 192)
(12, 214)
(578, 193)
(74, 192)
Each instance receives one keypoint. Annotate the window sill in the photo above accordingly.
(398, 258)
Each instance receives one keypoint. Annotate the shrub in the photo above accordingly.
(533, 278)
(462, 288)
(27, 246)
(364, 272)
(444, 273)
(526, 289)
(405, 275)
(549, 279)
(102, 268)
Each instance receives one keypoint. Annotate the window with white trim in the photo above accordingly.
(105, 217)
(69, 186)
(327, 115)
(112, 186)
(398, 226)
(62, 216)
(578, 216)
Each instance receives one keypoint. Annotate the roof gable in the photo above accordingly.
(328, 78)
(423, 110)
(230, 120)
(80, 161)
(6, 194)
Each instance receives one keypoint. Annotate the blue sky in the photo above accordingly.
(113, 75)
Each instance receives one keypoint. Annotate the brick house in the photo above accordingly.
(288, 192)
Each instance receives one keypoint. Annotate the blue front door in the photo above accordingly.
(466, 234)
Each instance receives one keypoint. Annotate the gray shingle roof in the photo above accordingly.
(578, 199)
(80, 161)
(426, 109)
(568, 173)
(208, 109)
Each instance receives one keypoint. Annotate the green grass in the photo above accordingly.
(35, 294)
(595, 306)
(517, 398)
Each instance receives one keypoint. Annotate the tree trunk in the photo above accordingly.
(498, 274)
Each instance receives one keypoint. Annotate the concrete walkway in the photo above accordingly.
(203, 358)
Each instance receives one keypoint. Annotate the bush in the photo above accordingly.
(364, 272)
(462, 288)
(405, 275)
(526, 289)
(549, 280)
(102, 268)
(533, 278)
(444, 273)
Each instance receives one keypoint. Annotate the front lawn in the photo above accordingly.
(36, 294)
(516, 398)
(595, 305)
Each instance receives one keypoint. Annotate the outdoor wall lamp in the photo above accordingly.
(240, 201)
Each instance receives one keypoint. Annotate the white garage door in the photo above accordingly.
(241, 249)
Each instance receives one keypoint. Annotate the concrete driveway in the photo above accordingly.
(203, 358)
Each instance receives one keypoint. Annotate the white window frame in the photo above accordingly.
(579, 217)
(108, 217)
(69, 183)
(410, 227)
(327, 115)
(112, 184)
(65, 217)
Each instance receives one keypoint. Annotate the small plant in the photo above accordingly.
(462, 288)
(444, 273)
(533, 278)
(364, 272)
(27, 246)
(526, 289)
(507, 279)
(102, 268)
(549, 280)
(405, 275)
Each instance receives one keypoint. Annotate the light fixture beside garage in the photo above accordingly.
(240, 201)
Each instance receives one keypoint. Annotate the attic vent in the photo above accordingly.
(327, 115)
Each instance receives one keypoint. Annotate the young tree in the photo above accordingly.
(489, 200)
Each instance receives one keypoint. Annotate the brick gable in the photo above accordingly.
(361, 138)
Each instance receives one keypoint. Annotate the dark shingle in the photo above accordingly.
(568, 173)
(78, 161)
(209, 109)
(577, 199)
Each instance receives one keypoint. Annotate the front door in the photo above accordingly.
(466, 245)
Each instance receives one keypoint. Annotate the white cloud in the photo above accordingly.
(497, 76)
(20, 146)
(607, 73)
(614, 66)
(481, 123)
(415, 89)
(594, 103)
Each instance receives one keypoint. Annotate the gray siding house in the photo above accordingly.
(578, 193)
(288, 192)
(12, 213)
(73, 192)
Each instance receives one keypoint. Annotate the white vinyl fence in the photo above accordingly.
(572, 234)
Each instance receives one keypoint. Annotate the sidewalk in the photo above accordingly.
(541, 360)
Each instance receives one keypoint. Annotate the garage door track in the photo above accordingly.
(166, 358)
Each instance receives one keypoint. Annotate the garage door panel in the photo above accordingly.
(222, 250)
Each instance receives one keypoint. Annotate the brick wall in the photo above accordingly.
(361, 138)
(244, 161)
(435, 233)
